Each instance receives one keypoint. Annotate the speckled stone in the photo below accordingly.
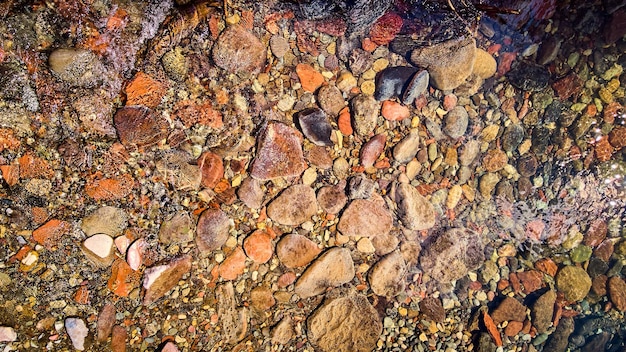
(573, 282)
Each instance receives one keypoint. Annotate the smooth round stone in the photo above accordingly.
(574, 282)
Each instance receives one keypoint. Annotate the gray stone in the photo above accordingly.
(388, 274)
(365, 110)
(414, 210)
(108, 220)
(407, 148)
(455, 122)
(365, 218)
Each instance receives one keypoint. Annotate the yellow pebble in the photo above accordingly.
(368, 87)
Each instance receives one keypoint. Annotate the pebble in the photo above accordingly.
(279, 46)
(487, 184)
(529, 77)
(510, 309)
(158, 280)
(175, 64)
(346, 81)
(331, 100)
(617, 293)
(175, 166)
(310, 78)
(386, 28)
(332, 198)
(455, 122)
(469, 152)
(106, 320)
(293, 206)
(365, 110)
(234, 265)
(333, 268)
(495, 160)
(580, 254)
(283, 332)
(211, 230)
(99, 249)
(315, 126)
(118, 339)
(107, 220)
(295, 250)
(359, 61)
(449, 63)
(77, 67)
(451, 255)
(360, 186)
(418, 85)
(250, 193)
(365, 218)
(414, 210)
(239, 51)
(258, 246)
(139, 126)
(573, 282)
(212, 168)
(365, 245)
(177, 228)
(527, 165)
(393, 111)
(387, 276)
(372, 150)
(543, 310)
(144, 90)
(407, 148)
(7, 334)
(433, 309)
(391, 82)
(485, 65)
(50, 233)
(512, 137)
(77, 330)
(279, 153)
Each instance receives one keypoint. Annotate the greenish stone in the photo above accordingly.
(573, 58)
(541, 338)
(614, 71)
(582, 125)
(580, 254)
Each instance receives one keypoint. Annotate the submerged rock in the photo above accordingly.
(315, 126)
(238, 50)
(392, 81)
(279, 153)
(333, 268)
(529, 77)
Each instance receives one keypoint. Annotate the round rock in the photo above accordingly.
(293, 206)
(455, 122)
(574, 282)
(333, 268)
(238, 50)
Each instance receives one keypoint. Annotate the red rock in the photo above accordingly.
(617, 293)
(368, 45)
(158, 280)
(258, 246)
(616, 27)
(603, 149)
(310, 79)
(31, 166)
(50, 233)
(295, 250)
(596, 233)
(492, 329)
(118, 340)
(333, 26)
(617, 137)
(123, 279)
(145, 90)
(534, 229)
(604, 250)
(394, 111)
(547, 266)
(212, 169)
(106, 320)
(233, 265)
(110, 188)
(372, 149)
(344, 122)
(191, 113)
(568, 86)
(532, 280)
(279, 153)
(612, 111)
(386, 28)
(504, 64)
(8, 139)
(510, 309)
(599, 284)
(139, 126)
(10, 174)
(449, 102)
(237, 50)
(513, 328)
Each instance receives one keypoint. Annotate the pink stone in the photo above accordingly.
(372, 149)
(279, 153)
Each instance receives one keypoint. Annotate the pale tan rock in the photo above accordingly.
(414, 210)
(293, 206)
(333, 268)
(234, 320)
(485, 65)
(295, 250)
(108, 220)
(283, 332)
(178, 228)
(159, 279)
(99, 249)
(388, 274)
(365, 218)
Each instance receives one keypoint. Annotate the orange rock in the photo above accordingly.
(547, 265)
(368, 45)
(344, 123)
(81, 296)
(492, 329)
(286, 279)
(39, 215)
(386, 28)
(8, 140)
(258, 246)
(34, 167)
(212, 169)
(309, 77)
(118, 339)
(191, 113)
(234, 265)
(123, 279)
(117, 20)
(51, 232)
(144, 90)
(394, 111)
(513, 328)
(110, 188)
(11, 174)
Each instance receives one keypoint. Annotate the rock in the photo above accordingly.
(145, 91)
(332, 198)
(485, 65)
(140, 127)
(94, 114)
(295, 250)
(407, 148)
(333, 268)
(310, 78)
(234, 265)
(487, 184)
(543, 311)
(158, 280)
(123, 279)
(50, 233)
(343, 324)
(360, 187)
(414, 210)
(372, 150)
(283, 332)
(331, 100)
(617, 137)
(580, 254)
(212, 230)
(527, 165)
(393, 111)
(615, 28)
(469, 152)
(451, 255)
(279, 46)
(315, 126)
(106, 320)
(512, 137)
(617, 293)
(177, 228)
(293, 206)
(573, 282)
(359, 61)
(455, 122)
(7, 334)
(417, 86)
(233, 320)
(365, 218)
(385, 28)
(77, 330)
(258, 246)
(262, 299)
(279, 153)
(364, 114)
(391, 82)
(99, 249)
(212, 169)
(449, 63)
(495, 160)
(510, 309)
(77, 67)
(135, 252)
(388, 274)
(560, 337)
(175, 64)
(107, 220)
(118, 339)
(176, 167)
(529, 77)
(319, 157)
(385, 243)
(346, 81)
(238, 50)
(433, 309)
(250, 193)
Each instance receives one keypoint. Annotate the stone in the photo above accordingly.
(145, 91)
(485, 65)
(238, 51)
(332, 198)
(417, 86)
(360, 187)
(50, 233)
(99, 249)
(449, 63)
(529, 77)
(527, 165)
(543, 311)
(359, 61)
(333, 268)
(77, 67)
(573, 282)
(177, 228)
(510, 309)
(258, 246)
(315, 126)
(158, 280)
(414, 210)
(212, 169)
(310, 78)
(295, 250)
(385, 28)
(94, 114)
(331, 100)
(559, 339)
(7, 334)
(293, 206)
(135, 252)
(78, 331)
(279, 46)
(615, 28)
(365, 111)
(394, 111)
(433, 309)
(319, 157)
(107, 220)
(175, 166)
(106, 320)
(617, 293)
(512, 137)
(387, 276)
(451, 255)
(495, 160)
(455, 122)
(175, 64)
(469, 152)
(234, 265)
(580, 254)
(372, 149)
(262, 299)
(212, 230)
(407, 148)
(365, 218)
(279, 153)
(251, 193)
(283, 332)
(391, 82)
(345, 324)
(118, 339)
(617, 137)
(139, 127)
(233, 320)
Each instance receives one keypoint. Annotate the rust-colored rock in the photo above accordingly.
(31, 166)
(139, 126)
(110, 188)
(118, 339)
(258, 246)
(50, 233)
(191, 113)
(8, 139)
(157, 280)
(495, 160)
(279, 153)
(123, 279)
(145, 90)
(596, 233)
(239, 51)
(394, 111)
(10, 174)
(233, 265)
(212, 169)
(386, 28)
(617, 137)
(510, 309)
(310, 78)
(106, 320)
(617, 292)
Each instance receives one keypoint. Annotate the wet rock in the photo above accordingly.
(212, 168)
(175, 64)
(487, 184)
(559, 339)
(250, 193)
(574, 282)
(359, 61)
(372, 149)
(365, 218)
(331, 100)
(414, 210)
(233, 320)
(385, 243)
(616, 27)
(279, 46)
(99, 249)
(7, 334)
(393, 111)
(392, 81)
(387, 275)
(293, 206)
(333, 268)
(315, 126)
(118, 339)
(451, 255)
(568, 86)
(332, 198)
(77, 67)
(139, 126)
(348, 323)
(529, 77)
(107, 219)
(385, 28)
(258, 246)
(617, 292)
(106, 320)
(158, 280)
(176, 167)
(365, 111)
(145, 91)
(543, 311)
(527, 165)
(279, 153)
(295, 250)
(455, 122)
(549, 49)
(77, 330)
(238, 51)
(95, 114)
(433, 309)
(510, 309)
(310, 78)
(469, 152)
(407, 148)
(449, 63)
(416, 86)
(495, 160)
(512, 137)
(319, 157)
(212, 230)
(617, 137)
(178, 228)
(360, 187)
(485, 65)
(50, 233)
(596, 267)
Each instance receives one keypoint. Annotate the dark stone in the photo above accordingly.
(597, 267)
(558, 339)
(540, 139)
(360, 187)
(529, 77)
(616, 27)
(359, 61)
(527, 165)
(416, 87)
(391, 82)
(433, 309)
(315, 126)
(524, 188)
(597, 342)
(512, 137)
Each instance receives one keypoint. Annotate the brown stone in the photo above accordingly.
(495, 160)
(293, 206)
(543, 311)
(433, 309)
(139, 126)
(233, 265)
(279, 153)
(333, 268)
(118, 340)
(212, 169)
(510, 309)
(295, 250)
(212, 230)
(50, 233)
(365, 218)
(106, 320)
(617, 292)
(239, 51)
(157, 280)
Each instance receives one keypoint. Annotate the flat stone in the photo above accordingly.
(574, 282)
(135, 252)
(106, 320)
(365, 218)
(543, 311)
(510, 309)
(295, 250)
(433, 309)
(360, 186)
(234, 265)
(333, 268)
(372, 150)
(455, 122)
(283, 331)
(392, 81)
(279, 153)
(348, 323)
(108, 220)
(237, 50)
(7, 334)
(617, 293)
(332, 198)
(262, 299)
(250, 193)
(233, 320)
(77, 330)
(99, 249)
(118, 339)
(177, 228)
(560, 337)
(394, 111)
(212, 169)
(77, 67)
(176, 167)
(258, 246)
(158, 280)
(330, 100)
(407, 148)
(212, 230)
(310, 78)
(365, 110)
(388, 274)
(485, 65)
(293, 206)
(140, 127)
(414, 210)
(315, 126)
